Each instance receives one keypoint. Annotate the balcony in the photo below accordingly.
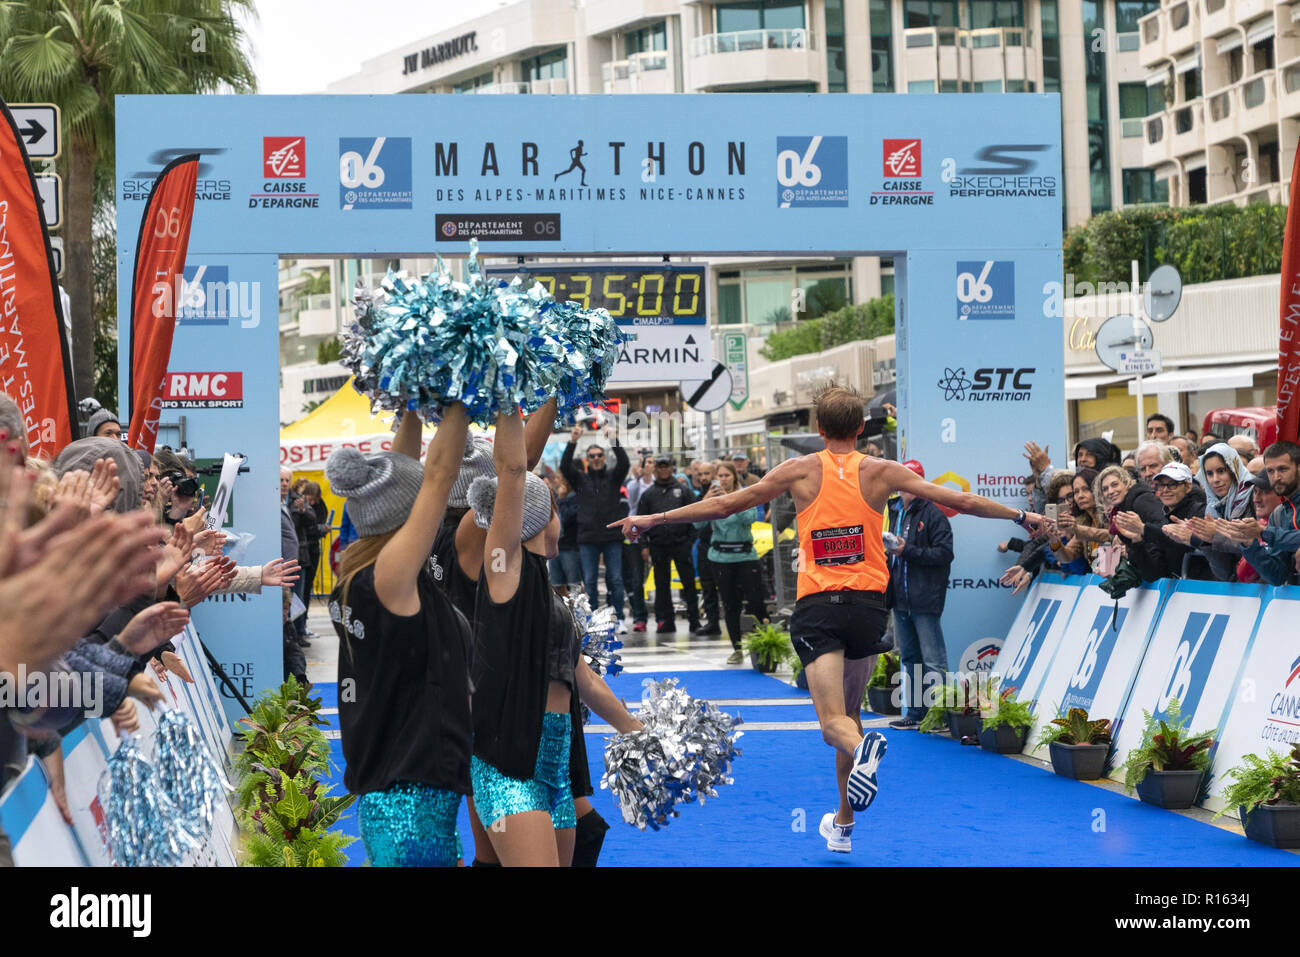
(1288, 92)
(1189, 128)
(1258, 102)
(754, 57)
(1181, 24)
(500, 88)
(1152, 34)
(1220, 122)
(607, 16)
(1158, 147)
(640, 73)
(947, 54)
(558, 85)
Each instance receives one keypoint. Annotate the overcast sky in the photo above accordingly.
(300, 46)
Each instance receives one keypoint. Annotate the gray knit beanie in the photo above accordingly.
(537, 503)
(476, 463)
(380, 488)
(84, 453)
(99, 418)
(11, 419)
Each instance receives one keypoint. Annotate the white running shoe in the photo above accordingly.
(622, 627)
(862, 785)
(839, 837)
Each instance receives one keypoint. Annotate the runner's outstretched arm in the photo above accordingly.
(778, 480)
(905, 480)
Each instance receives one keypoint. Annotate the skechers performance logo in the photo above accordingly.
(75, 910)
(1000, 170)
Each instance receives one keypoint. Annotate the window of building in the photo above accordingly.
(1129, 12)
(1020, 86)
(949, 86)
(920, 86)
(729, 311)
(1191, 85)
(1051, 33)
(1262, 55)
(759, 15)
(836, 76)
(882, 47)
(930, 13)
(647, 39)
(764, 296)
(1098, 126)
(996, 13)
(986, 86)
(548, 66)
(468, 86)
(1141, 186)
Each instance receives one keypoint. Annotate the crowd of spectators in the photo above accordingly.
(103, 551)
(1179, 506)
(602, 483)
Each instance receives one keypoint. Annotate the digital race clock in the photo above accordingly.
(635, 294)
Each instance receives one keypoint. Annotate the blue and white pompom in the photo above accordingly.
(683, 753)
(142, 822)
(598, 630)
(187, 773)
(488, 344)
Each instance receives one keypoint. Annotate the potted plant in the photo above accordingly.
(957, 710)
(1169, 763)
(885, 679)
(1077, 744)
(1006, 727)
(1266, 793)
(768, 646)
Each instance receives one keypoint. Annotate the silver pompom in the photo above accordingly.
(683, 753)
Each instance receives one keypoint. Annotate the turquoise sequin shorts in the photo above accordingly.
(410, 825)
(549, 789)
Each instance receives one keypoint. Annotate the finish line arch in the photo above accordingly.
(964, 190)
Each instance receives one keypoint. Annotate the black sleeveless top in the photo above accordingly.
(403, 689)
(455, 584)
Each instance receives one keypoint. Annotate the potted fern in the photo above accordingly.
(1167, 766)
(1077, 744)
(768, 647)
(957, 710)
(1006, 728)
(882, 688)
(1266, 793)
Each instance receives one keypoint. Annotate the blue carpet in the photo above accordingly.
(734, 683)
(939, 804)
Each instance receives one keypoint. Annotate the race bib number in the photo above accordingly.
(838, 546)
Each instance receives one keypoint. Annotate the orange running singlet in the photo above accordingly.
(840, 547)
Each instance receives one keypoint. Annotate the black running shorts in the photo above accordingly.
(852, 621)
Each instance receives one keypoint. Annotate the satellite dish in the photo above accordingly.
(1163, 293)
(1122, 334)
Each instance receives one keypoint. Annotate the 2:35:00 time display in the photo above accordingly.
(630, 294)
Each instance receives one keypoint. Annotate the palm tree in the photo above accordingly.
(80, 54)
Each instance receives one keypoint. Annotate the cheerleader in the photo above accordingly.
(403, 675)
(527, 668)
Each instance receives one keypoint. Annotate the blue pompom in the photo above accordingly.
(491, 345)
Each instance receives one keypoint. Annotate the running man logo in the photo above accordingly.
(1026, 652)
(952, 478)
(1190, 668)
(1097, 648)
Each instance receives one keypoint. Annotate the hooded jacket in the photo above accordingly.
(1223, 553)
(1275, 559)
(1106, 452)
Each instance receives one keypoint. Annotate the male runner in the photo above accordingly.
(839, 617)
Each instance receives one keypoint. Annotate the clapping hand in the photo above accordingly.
(1178, 530)
(194, 583)
(1202, 528)
(1244, 530)
(1130, 525)
(104, 485)
(1039, 459)
(172, 662)
(154, 626)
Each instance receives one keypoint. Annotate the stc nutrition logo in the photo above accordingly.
(812, 171)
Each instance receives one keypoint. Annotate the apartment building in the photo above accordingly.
(1226, 75)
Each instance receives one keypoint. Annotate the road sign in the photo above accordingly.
(49, 187)
(660, 353)
(1139, 362)
(38, 125)
(56, 247)
(711, 394)
(1163, 293)
(736, 354)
